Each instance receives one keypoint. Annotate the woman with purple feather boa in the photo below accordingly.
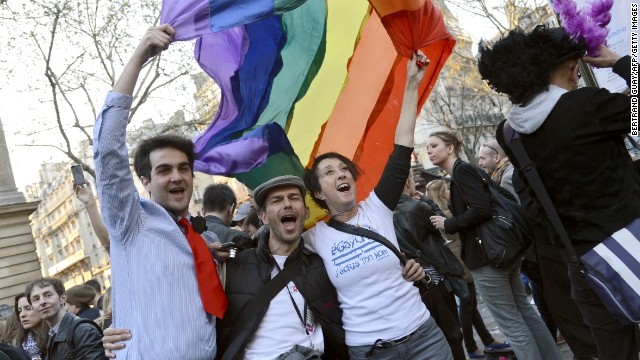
(575, 137)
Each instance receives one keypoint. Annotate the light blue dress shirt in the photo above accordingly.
(155, 290)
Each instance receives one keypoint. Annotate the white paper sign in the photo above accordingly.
(618, 40)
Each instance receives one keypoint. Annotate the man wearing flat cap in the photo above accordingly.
(304, 316)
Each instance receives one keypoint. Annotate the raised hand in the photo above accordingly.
(154, 41)
(416, 68)
(605, 59)
(83, 193)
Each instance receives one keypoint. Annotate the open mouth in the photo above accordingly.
(177, 191)
(344, 187)
(289, 221)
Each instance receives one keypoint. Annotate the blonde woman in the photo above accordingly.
(501, 288)
(470, 318)
(104, 321)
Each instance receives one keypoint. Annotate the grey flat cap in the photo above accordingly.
(260, 192)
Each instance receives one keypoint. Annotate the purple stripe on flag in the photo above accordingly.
(244, 154)
(237, 156)
(190, 19)
(220, 56)
(251, 84)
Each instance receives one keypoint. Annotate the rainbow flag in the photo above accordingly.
(300, 78)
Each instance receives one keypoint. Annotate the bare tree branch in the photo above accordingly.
(80, 45)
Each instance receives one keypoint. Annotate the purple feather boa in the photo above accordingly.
(590, 23)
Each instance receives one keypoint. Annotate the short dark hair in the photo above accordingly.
(218, 198)
(520, 65)
(312, 178)
(58, 286)
(95, 284)
(141, 160)
(253, 219)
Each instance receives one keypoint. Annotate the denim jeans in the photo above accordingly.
(427, 342)
(503, 293)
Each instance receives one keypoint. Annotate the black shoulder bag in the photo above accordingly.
(507, 234)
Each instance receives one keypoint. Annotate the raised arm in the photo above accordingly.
(407, 123)
(395, 173)
(155, 40)
(119, 197)
(85, 195)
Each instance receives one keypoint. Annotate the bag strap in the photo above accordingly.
(360, 231)
(633, 142)
(528, 169)
(357, 230)
(262, 297)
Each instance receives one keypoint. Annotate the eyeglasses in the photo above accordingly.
(491, 147)
(579, 74)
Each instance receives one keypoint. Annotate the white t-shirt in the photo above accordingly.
(376, 301)
(281, 327)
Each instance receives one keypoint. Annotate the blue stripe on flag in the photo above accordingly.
(225, 14)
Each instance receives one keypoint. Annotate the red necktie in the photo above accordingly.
(211, 292)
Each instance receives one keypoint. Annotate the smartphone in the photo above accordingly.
(78, 174)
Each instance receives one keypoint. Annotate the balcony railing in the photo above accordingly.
(67, 262)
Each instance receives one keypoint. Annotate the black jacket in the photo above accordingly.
(470, 203)
(226, 234)
(89, 313)
(251, 269)
(581, 157)
(84, 343)
(415, 233)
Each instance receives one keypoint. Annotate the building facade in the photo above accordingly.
(66, 244)
(18, 261)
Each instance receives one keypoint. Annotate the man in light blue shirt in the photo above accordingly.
(155, 289)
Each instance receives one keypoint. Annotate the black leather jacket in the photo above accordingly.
(251, 269)
(417, 236)
(84, 343)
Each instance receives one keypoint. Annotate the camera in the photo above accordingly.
(231, 248)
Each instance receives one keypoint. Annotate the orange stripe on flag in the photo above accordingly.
(378, 140)
(386, 7)
(368, 71)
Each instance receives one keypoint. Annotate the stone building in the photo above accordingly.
(18, 261)
(66, 243)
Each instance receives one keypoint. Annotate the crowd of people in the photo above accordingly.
(380, 278)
